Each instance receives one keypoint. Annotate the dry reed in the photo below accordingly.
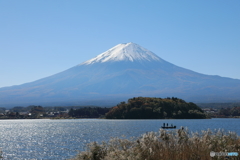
(165, 145)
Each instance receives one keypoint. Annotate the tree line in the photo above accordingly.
(229, 112)
(88, 112)
(134, 108)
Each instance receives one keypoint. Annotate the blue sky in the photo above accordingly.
(40, 38)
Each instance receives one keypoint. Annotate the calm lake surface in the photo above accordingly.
(62, 139)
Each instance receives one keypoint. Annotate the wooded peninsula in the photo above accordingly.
(156, 108)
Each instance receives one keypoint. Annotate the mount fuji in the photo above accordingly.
(124, 71)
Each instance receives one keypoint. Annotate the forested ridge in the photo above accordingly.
(155, 108)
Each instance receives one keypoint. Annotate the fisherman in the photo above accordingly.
(167, 124)
(163, 124)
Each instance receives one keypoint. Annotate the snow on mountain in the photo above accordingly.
(124, 52)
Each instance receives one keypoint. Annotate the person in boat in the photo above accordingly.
(163, 124)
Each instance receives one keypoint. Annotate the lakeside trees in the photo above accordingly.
(229, 112)
(135, 108)
(88, 112)
(155, 108)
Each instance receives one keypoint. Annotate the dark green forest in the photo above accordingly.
(229, 112)
(155, 108)
(88, 112)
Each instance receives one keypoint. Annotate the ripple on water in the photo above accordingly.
(62, 139)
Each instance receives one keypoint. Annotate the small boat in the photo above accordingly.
(168, 127)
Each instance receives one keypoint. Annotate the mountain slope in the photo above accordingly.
(122, 72)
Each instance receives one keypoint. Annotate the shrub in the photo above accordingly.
(174, 145)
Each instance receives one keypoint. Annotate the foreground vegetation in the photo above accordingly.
(155, 108)
(169, 145)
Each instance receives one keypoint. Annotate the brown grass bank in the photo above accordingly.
(179, 144)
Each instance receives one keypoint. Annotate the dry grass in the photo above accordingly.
(165, 145)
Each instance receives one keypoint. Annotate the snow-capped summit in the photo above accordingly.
(124, 52)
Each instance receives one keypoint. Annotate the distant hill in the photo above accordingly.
(126, 70)
(155, 108)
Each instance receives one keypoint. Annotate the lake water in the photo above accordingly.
(62, 139)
